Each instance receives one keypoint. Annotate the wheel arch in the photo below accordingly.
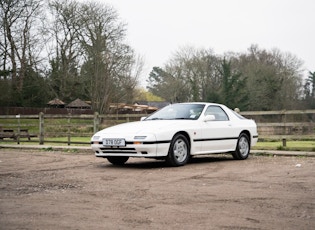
(248, 135)
(179, 156)
(187, 136)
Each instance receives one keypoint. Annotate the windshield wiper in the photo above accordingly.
(182, 118)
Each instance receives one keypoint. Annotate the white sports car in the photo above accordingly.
(177, 132)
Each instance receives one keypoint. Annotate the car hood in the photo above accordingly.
(142, 127)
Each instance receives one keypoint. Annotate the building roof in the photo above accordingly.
(78, 103)
(56, 101)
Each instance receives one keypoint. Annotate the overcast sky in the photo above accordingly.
(158, 28)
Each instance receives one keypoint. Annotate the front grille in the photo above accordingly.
(119, 150)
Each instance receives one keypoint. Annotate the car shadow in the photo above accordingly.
(153, 163)
(210, 158)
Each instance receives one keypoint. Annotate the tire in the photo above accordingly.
(179, 151)
(117, 160)
(242, 148)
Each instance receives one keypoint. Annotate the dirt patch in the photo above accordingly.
(57, 190)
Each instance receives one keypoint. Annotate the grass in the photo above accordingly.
(292, 145)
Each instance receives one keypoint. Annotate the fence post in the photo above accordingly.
(41, 128)
(284, 120)
(69, 129)
(284, 142)
(96, 122)
(19, 128)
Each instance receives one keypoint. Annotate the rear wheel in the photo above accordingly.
(242, 148)
(117, 160)
(179, 151)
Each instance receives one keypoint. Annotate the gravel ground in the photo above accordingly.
(64, 190)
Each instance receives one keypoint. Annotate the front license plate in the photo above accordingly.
(114, 142)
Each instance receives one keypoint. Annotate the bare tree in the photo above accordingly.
(109, 61)
(257, 80)
(64, 60)
(18, 33)
(273, 78)
(190, 75)
(167, 85)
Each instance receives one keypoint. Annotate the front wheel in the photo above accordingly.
(242, 148)
(117, 160)
(179, 152)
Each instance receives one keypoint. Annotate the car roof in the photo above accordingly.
(201, 103)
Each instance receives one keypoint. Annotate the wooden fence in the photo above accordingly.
(296, 123)
(45, 128)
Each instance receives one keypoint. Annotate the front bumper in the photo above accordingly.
(132, 150)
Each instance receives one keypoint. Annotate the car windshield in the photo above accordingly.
(177, 112)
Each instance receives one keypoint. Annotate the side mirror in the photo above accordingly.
(142, 118)
(209, 118)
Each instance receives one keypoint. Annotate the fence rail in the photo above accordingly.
(61, 128)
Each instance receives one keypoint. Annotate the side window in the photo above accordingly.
(218, 112)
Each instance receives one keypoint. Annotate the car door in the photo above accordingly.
(218, 134)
